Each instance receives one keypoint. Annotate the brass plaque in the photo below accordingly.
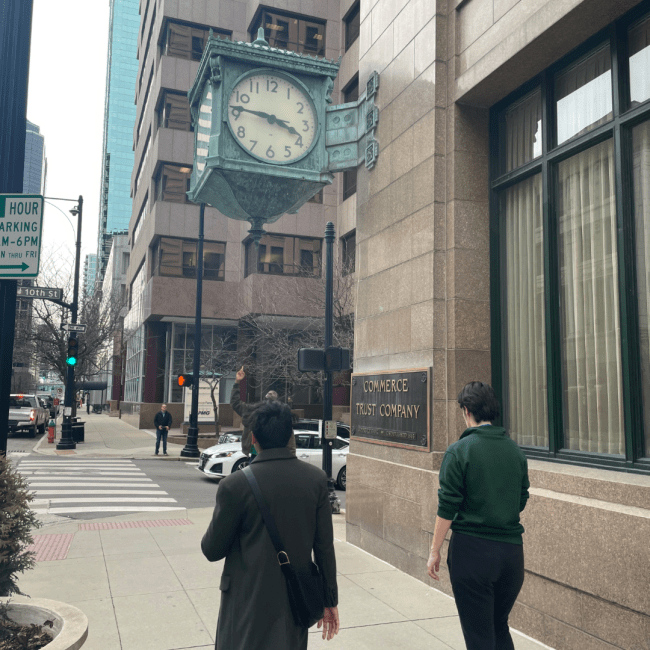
(392, 408)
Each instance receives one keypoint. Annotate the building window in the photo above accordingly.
(173, 183)
(349, 183)
(349, 253)
(174, 112)
(187, 41)
(352, 25)
(143, 161)
(142, 215)
(280, 255)
(291, 32)
(177, 258)
(351, 91)
(572, 264)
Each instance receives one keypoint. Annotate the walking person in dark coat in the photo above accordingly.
(255, 613)
(162, 422)
(245, 411)
(483, 488)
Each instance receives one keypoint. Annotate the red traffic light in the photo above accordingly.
(185, 380)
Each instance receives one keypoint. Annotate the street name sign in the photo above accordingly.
(21, 225)
(39, 292)
(69, 327)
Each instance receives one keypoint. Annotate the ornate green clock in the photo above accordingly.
(259, 117)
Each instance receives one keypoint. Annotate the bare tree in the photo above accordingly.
(271, 339)
(101, 315)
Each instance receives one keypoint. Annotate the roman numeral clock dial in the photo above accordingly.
(272, 118)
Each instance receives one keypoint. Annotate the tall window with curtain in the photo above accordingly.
(570, 177)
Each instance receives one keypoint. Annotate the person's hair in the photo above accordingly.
(271, 395)
(480, 401)
(163, 405)
(271, 424)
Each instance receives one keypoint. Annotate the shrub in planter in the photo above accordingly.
(16, 523)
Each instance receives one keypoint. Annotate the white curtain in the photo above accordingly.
(584, 95)
(641, 171)
(522, 122)
(589, 303)
(525, 339)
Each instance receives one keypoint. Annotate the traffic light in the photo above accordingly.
(186, 380)
(73, 352)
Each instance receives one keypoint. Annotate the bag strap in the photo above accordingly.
(267, 517)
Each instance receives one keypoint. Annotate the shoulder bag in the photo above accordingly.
(306, 593)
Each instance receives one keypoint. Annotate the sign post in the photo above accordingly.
(21, 224)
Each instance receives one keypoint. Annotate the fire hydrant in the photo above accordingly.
(51, 428)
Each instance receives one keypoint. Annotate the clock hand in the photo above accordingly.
(271, 119)
(239, 109)
(285, 125)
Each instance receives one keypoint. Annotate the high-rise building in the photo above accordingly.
(89, 274)
(34, 177)
(35, 173)
(119, 117)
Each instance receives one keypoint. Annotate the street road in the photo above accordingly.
(86, 488)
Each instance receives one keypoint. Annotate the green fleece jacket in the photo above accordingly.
(484, 485)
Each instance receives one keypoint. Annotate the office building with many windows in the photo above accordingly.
(119, 118)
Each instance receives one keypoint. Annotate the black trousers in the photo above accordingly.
(486, 578)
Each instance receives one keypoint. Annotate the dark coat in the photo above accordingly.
(255, 612)
(245, 412)
(163, 419)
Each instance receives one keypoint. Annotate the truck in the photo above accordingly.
(27, 414)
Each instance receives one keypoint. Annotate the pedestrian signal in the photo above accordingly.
(185, 380)
(73, 352)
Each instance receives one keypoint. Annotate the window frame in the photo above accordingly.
(253, 267)
(348, 20)
(303, 19)
(619, 130)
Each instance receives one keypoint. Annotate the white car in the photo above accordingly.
(220, 460)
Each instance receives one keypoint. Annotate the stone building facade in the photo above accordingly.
(501, 237)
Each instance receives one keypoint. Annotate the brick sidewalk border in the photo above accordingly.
(155, 523)
(51, 547)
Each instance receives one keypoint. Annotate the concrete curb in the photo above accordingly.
(70, 623)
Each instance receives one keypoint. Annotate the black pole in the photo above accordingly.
(191, 449)
(66, 441)
(15, 36)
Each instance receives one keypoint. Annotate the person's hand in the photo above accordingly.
(330, 623)
(240, 375)
(433, 565)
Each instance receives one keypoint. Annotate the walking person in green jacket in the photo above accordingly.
(483, 488)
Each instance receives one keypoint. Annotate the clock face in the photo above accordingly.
(272, 117)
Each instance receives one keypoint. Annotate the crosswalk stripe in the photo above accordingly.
(69, 511)
(112, 500)
(72, 479)
(61, 486)
(91, 484)
(41, 492)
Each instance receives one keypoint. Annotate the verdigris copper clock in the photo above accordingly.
(272, 116)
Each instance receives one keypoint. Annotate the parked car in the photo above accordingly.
(223, 459)
(229, 437)
(49, 403)
(26, 413)
(342, 429)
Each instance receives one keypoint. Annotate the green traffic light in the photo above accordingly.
(71, 361)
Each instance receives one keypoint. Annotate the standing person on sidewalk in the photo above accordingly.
(483, 488)
(162, 422)
(255, 612)
(245, 412)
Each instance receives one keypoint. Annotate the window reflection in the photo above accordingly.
(639, 47)
(583, 93)
(279, 255)
(177, 258)
(293, 33)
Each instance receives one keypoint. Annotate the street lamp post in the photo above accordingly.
(191, 449)
(66, 441)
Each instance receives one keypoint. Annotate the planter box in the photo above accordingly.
(70, 628)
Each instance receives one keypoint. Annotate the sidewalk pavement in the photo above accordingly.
(110, 437)
(144, 584)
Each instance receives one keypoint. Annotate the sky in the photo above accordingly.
(67, 81)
